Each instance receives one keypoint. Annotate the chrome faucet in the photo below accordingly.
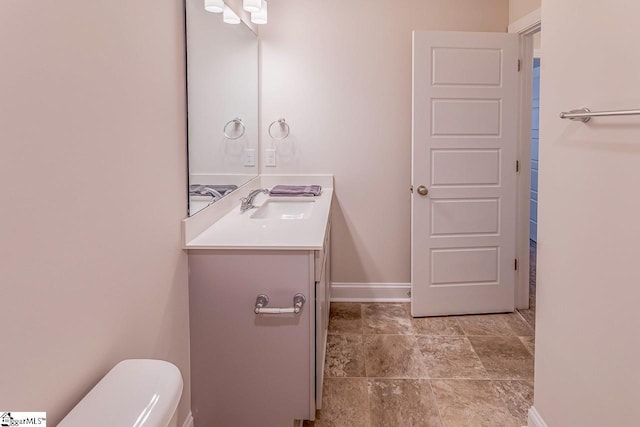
(247, 202)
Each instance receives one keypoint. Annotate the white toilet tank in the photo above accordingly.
(135, 393)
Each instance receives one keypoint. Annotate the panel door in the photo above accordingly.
(463, 172)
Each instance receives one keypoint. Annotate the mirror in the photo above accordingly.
(222, 105)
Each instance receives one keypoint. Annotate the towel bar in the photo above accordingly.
(262, 300)
(584, 114)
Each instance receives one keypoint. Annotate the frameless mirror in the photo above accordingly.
(222, 105)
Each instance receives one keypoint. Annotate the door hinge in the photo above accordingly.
(517, 165)
(515, 264)
(519, 65)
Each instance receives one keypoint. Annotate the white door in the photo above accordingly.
(463, 211)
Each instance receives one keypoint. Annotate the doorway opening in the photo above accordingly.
(529, 29)
(529, 313)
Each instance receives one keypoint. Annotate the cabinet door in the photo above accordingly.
(322, 315)
(248, 369)
(321, 334)
(327, 276)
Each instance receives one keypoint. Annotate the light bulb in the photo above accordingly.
(260, 17)
(229, 16)
(214, 6)
(252, 5)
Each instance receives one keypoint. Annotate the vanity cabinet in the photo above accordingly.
(251, 369)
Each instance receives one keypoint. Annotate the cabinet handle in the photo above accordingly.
(262, 300)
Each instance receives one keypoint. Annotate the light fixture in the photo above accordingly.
(252, 5)
(214, 6)
(229, 16)
(260, 17)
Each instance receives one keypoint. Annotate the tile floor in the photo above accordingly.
(385, 368)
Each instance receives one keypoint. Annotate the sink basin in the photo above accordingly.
(284, 209)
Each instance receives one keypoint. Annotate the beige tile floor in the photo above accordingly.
(385, 368)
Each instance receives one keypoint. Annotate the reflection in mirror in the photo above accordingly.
(222, 88)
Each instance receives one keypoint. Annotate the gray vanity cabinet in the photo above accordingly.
(251, 369)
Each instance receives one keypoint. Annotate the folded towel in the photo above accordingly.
(296, 190)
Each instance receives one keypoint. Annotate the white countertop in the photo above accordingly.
(237, 230)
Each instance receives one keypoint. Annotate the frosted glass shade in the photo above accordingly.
(229, 16)
(260, 17)
(214, 6)
(252, 5)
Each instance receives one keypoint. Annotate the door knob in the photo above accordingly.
(422, 190)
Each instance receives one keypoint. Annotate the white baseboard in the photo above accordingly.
(535, 419)
(370, 292)
(189, 421)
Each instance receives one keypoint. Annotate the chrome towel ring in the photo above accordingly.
(284, 126)
(238, 123)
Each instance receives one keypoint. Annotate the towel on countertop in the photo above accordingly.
(296, 190)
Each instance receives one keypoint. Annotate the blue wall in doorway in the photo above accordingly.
(535, 125)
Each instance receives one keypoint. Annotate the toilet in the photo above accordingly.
(134, 393)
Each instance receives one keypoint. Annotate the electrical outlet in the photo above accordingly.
(270, 159)
(249, 157)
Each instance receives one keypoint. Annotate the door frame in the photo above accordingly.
(525, 27)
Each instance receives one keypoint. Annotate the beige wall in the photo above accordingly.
(93, 177)
(587, 346)
(520, 8)
(340, 73)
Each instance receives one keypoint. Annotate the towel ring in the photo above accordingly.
(238, 122)
(284, 125)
